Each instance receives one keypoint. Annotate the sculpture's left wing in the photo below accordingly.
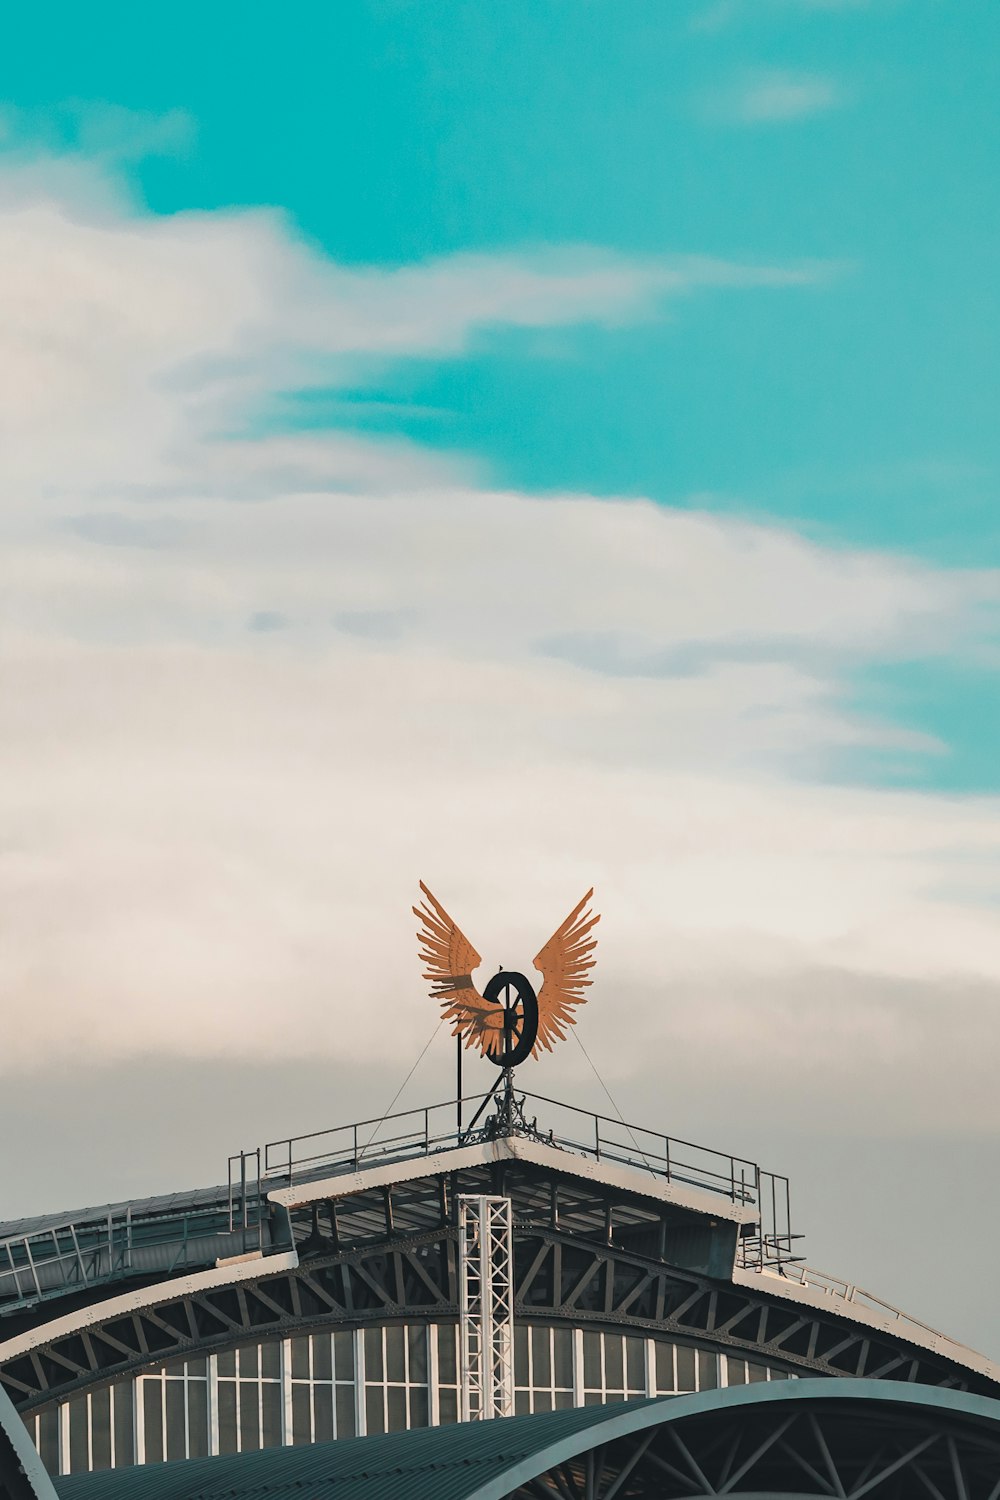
(449, 960)
(563, 963)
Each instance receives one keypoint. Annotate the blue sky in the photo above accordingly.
(527, 447)
(863, 136)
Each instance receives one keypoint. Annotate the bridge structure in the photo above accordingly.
(317, 1295)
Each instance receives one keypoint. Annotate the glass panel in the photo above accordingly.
(373, 1354)
(522, 1403)
(227, 1362)
(447, 1368)
(323, 1406)
(708, 1370)
(592, 1360)
(48, 1439)
(152, 1425)
(249, 1416)
(248, 1360)
(100, 1429)
(614, 1373)
(124, 1442)
(197, 1393)
(447, 1406)
(176, 1440)
(397, 1408)
(227, 1417)
(343, 1347)
(685, 1368)
(779, 1374)
(270, 1359)
(520, 1354)
(635, 1363)
(419, 1415)
(417, 1342)
(541, 1361)
(395, 1358)
(345, 1411)
(79, 1451)
(756, 1372)
(322, 1357)
(664, 1367)
(593, 1398)
(542, 1400)
(300, 1358)
(197, 1369)
(374, 1415)
(564, 1400)
(271, 1402)
(737, 1371)
(562, 1339)
(174, 1368)
(301, 1414)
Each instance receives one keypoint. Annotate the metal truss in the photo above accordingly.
(486, 1306)
(583, 1254)
(884, 1455)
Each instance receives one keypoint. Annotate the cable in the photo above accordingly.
(614, 1106)
(402, 1086)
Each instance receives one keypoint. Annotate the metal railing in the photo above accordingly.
(80, 1253)
(667, 1158)
(848, 1292)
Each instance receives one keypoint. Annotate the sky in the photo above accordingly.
(521, 448)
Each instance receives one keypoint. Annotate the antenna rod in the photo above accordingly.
(458, 1065)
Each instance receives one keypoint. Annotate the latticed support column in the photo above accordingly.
(486, 1306)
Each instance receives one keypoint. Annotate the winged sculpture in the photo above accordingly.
(450, 960)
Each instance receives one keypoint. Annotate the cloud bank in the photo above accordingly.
(255, 682)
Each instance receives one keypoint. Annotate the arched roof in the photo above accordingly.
(823, 1433)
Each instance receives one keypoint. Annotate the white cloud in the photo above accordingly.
(252, 688)
(774, 96)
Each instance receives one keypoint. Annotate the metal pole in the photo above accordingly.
(458, 1070)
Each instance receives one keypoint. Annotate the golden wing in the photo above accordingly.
(563, 963)
(450, 959)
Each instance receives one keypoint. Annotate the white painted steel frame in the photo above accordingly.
(486, 1306)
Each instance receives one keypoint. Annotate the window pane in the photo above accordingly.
(541, 1363)
(397, 1408)
(197, 1398)
(322, 1357)
(395, 1343)
(542, 1399)
(635, 1364)
(227, 1362)
(737, 1372)
(174, 1367)
(270, 1359)
(417, 1341)
(248, 1360)
(152, 1425)
(419, 1416)
(373, 1354)
(708, 1370)
(614, 1373)
(48, 1439)
(343, 1348)
(323, 1406)
(520, 1354)
(562, 1339)
(176, 1443)
(249, 1416)
(301, 1414)
(685, 1368)
(564, 1400)
(664, 1367)
(592, 1360)
(374, 1415)
(756, 1372)
(100, 1429)
(197, 1369)
(271, 1401)
(345, 1411)
(447, 1372)
(522, 1403)
(447, 1406)
(300, 1358)
(227, 1416)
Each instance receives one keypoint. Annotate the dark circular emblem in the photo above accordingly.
(520, 1021)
